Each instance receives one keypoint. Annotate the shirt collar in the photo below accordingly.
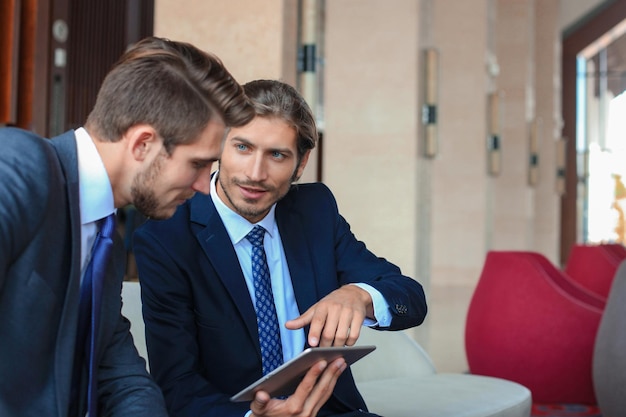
(95, 192)
(237, 226)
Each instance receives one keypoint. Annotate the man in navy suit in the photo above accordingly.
(150, 141)
(196, 279)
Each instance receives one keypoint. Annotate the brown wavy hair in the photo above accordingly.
(272, 98)
(172, 86)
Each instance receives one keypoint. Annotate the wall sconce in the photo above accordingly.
(429, 108)
(561, 147)
(533, 152)
(494, 152)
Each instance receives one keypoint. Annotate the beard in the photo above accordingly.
(142, 191)
(250, 209)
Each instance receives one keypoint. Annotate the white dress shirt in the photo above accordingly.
(95, 193)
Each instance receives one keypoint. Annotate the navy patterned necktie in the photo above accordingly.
(90, 304)
(267, 321)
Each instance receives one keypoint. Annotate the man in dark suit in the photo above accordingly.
(150, 141)
(198, 283)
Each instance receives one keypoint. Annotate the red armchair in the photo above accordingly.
(530, 323)
(594, 266)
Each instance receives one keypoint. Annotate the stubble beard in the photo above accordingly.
(142, 190)
(250, 208)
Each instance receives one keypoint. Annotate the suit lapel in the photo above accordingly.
(298, 254)
(65, 147)
(211, 234)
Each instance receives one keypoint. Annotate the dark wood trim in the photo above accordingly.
(49, 78)
(139, 20)
(33, 66)
(99, 33)
(41, 82)
(9, 53)
(601, 21)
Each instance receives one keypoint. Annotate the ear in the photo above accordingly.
(142, 141)
(303, 161)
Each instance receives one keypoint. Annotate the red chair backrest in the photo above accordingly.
(594, 266)
(530, 323)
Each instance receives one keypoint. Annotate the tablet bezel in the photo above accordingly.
(284, 380)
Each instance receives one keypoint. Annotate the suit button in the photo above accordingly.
(401, 309)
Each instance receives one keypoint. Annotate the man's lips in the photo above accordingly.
(251, 192)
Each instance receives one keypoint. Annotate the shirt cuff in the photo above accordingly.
(381, 307)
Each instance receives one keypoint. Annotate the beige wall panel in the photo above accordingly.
(513, 210)
(548, 111)
(247, 35)
(459, 171)
(371, 120)
(459, 179)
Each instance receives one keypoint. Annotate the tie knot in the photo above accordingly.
(256, 236)
(107, 225)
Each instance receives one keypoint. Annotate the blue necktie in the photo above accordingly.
(267, 321)
(90, 303)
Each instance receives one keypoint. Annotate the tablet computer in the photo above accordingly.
(285, 379)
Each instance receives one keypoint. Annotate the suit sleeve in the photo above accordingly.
(124, 386)
(25, 187)
(356, 263)
(171, 333)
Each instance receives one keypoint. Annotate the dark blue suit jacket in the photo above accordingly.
(39, 291)
(200, 321)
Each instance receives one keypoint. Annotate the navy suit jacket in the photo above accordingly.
(39, 291)
(200, 321)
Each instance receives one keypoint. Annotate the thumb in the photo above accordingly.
(259, 403)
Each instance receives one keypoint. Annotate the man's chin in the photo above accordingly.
(161, 214)
(251, 212)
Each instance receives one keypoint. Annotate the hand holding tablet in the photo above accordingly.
(284, 379)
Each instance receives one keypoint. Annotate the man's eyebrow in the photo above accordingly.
(240, 139)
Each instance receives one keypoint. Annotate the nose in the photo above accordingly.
(256, 169)
(203, 182)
